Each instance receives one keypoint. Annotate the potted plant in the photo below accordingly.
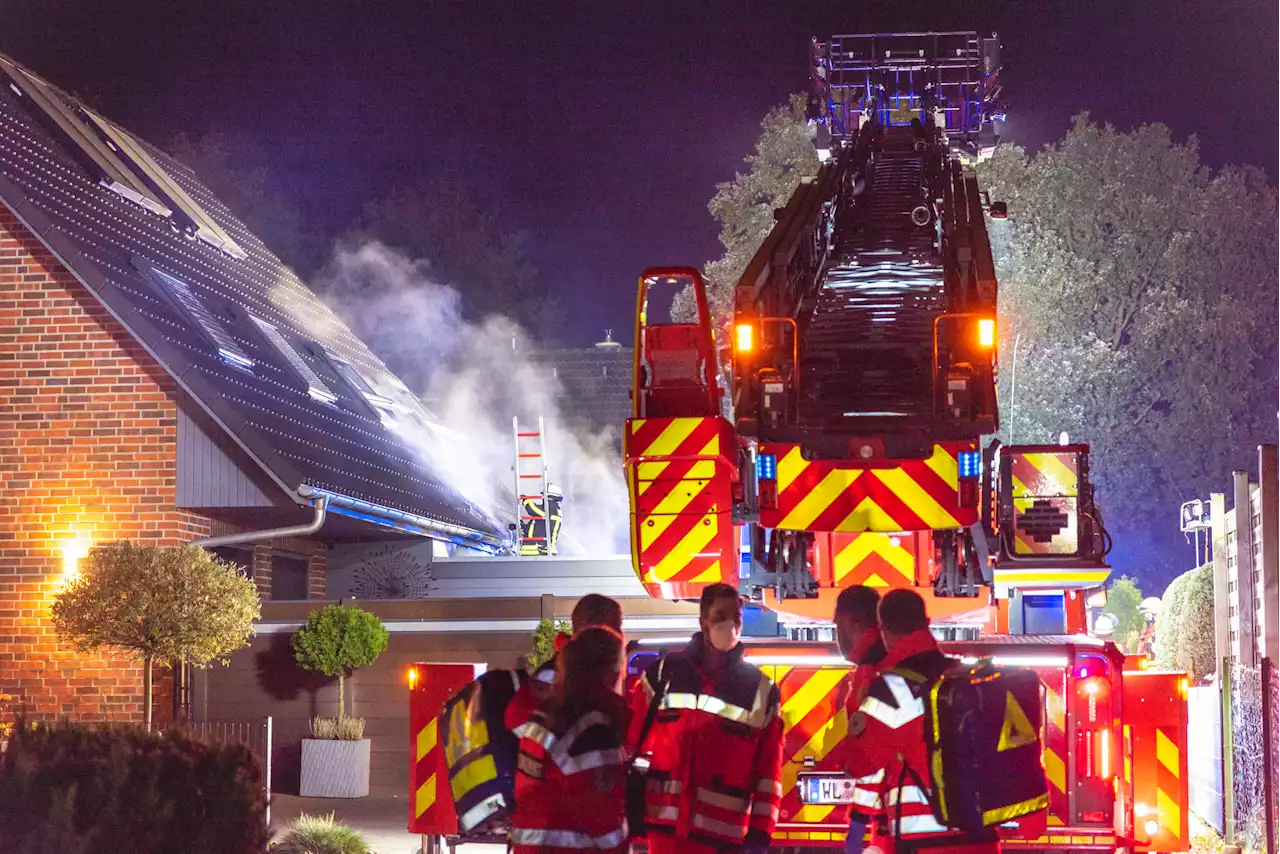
(336, 641)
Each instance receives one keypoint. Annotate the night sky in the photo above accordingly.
(601, 129)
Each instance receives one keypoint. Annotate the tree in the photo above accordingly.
(544, 642)
(159, 604)
(1130, 279)
(234, 168)
(1122, 602)
(1169, 623)
(1196, 643)
(338, 639)
(463, 246)
(744, 206)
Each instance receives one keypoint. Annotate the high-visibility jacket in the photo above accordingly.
(571, 783)
(530, 695)
(539, 526)
(715, 750)
(867, 790)
(887, 736)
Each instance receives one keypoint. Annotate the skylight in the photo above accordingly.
(316, 387)
(79, 141)
(186, 301)
(158, 181)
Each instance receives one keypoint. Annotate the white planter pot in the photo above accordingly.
(334, 769)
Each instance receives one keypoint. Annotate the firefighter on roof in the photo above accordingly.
(858, 637)
(571, 772)
(715, 747)
(887, 735)
(539, 525)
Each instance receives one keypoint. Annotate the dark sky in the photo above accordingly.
(602, 128)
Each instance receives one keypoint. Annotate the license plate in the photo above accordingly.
(833, 789)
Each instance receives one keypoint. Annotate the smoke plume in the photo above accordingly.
(474, 378)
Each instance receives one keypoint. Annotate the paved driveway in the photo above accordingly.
(381, 819)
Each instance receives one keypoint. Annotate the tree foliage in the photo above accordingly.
(338, 639)
(440, 222)
(744, 206)
(1123, 600)
(1185, 625)
(158, 604)
(544, 642)
(1131, 278)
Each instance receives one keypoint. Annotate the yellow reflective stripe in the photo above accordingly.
(720, 828)
(769, 787)
(922, 503)
(1167, 753)
(1002, 814)
(475, 773)
(427, 738)
(765, 808)
(425, 797)
(1170, 813)
(721, 800)
(908, 795)
(706, 703)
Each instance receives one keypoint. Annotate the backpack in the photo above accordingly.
(480, 752)
(982, 732)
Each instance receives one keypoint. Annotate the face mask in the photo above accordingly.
(724, 636)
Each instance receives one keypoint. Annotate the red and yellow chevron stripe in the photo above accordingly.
(813, 726)
(1046, 502)
(430, 803)
(840, 495)
(872, 559)
(680, 477)
(1055, 750)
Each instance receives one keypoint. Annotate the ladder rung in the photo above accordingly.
(528, 435)
(528, 456)
(527, 476)
(530, 498)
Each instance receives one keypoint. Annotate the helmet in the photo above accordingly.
(554, 491)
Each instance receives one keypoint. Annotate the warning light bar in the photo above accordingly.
(970, 463)
(744, 338)
(766, 467)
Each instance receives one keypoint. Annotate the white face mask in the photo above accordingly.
(724, 636)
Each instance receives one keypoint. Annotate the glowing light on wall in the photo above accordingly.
(74, 551)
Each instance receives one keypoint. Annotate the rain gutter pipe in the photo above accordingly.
(408, 523)
(320, 504)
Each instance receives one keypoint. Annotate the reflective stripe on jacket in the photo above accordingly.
(571, 785)
(715, 750)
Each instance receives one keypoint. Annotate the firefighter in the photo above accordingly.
(858, 637)
(592, 610)
(571, 772)
(540, 523)
(715, 747)
(887, 735)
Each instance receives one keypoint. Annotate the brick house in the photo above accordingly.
(165, 379)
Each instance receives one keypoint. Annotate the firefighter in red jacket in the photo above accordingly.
(858, 637)
(591, 610)
(571, 772)
(887, 735)
(715, 748)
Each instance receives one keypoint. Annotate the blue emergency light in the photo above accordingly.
(766, 467)
(970, 463)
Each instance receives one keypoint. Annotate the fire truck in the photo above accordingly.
(843, 444)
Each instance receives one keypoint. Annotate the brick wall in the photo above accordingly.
(88, 430)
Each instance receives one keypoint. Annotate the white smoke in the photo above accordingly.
(474, 378)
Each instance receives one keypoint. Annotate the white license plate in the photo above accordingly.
(834, 789)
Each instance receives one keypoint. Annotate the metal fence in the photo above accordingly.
(253, 734)
(1204, 754)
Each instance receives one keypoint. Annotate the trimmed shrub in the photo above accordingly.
(312, 834)
(339, 729)
(77, 788)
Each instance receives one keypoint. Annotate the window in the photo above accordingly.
(316, 387)
(199, 223)
(288, 577)
(84, 146)
(180, 296)
(242, 558)
(115, 159)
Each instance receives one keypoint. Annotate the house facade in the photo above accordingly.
(164, 378)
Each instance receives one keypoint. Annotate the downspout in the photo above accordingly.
(319, 503)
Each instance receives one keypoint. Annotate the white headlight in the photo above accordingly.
(1152, 827)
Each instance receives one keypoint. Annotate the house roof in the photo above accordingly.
(595, 384)
(266, 358)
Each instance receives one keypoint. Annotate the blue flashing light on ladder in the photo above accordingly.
(766, 467)
(970, 464)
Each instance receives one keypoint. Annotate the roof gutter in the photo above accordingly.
(407, 523)
(320, 504)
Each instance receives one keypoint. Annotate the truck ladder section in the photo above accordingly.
(531, 486)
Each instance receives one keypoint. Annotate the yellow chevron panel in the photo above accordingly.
(1167, 753)
(425, 797)
(426, 740)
